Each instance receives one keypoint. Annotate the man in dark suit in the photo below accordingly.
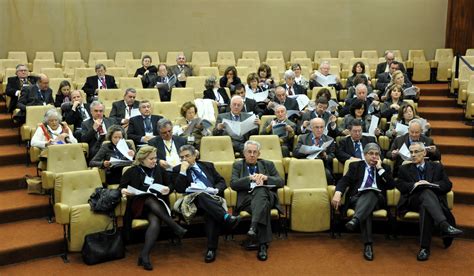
(414, 135)
(291, 87)
(164, 82)
(93, 130)
(181, 70)
(320, 111)
(17, 83)
(39, 94)
(122, 110)
(384, 78)
(235, 114)
(250, 105)
(372, 105)
(317, 138)
(99, 81)
(351, 147)
(385, 66)
(76, 112)
(250, 178)
(143, 128)
(368, 182)
(282, 99)
(208, 203)
(429, 201)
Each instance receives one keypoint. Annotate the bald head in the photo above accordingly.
(43, 81)
(236, 104)
(317, 126)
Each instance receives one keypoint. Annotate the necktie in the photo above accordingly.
(100, 130)
(199, 175)
(236, 118)
(421, 172)
(104, 84)
(83, 113)
(168, 147)
(40, 95)
(370, 178)
(252, 170)
(317, 141)
(290, 92)
(148, 127)
(357, 150)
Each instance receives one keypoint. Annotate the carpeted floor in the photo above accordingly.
(300, 254)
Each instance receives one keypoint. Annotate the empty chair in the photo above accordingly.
(117, 72)
(297, 54)
(20, 56)
(470, 52)
(200, 59)
(171, 57)
(150, 94)
(71, 65)
(319, 56)
(443, 62)
(275, 55)
(38, 64)
(106, 62)
(243, 72)
(196, 82)
(53, 72)
(93, 56)
(131, 65)
(279, 64)
(421, 68)
(224, 60)
(209, 71)
(80, 75)
(249, 63)
(121, 57)
(7, 63)
(469, 114)
(130, 82)
(345, 58)
(169, 110)
(181, 95)
(110, 95)
(70, 56)
(45, 55)
(251, 55)
(219, 151)
(465, 93)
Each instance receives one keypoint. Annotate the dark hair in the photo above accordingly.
(64, 83)
(360, 78)
(355, 65)
(357, 104)
(355, 122)
(239, 86)
(393, 87)
(112, 129)
(230, 69)
(322, 100)
(146, 56)
(324, 92)
(402, 110)
(185, 107)
(295, 65)
(265, 67)
(251, 77)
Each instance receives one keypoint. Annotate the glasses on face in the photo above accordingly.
(165, 131)
(415, 151)
(373, 153)
(184, 156)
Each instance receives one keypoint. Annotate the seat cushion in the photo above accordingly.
(310, 210)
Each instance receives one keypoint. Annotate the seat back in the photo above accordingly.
(35, 115)
(70, 66)
(216, 148)
(251, 55)
(201, 59)
(331, 89)
(346, 165)
(108, 96)
(306, 173)
(169, 110)
(319, 56)
(225, 58)
(243, 72)
(42, 63)
(66, 158)
(171, 57)
(279, 64)
(444, 57)
(150, 94)
(130, 82)
(306, 63)
(155, 56)
(70, 56)
(181, 95)
(470, 52)
(106, 62)
(54, 83)
(8, 63)
(18, 55)
(93, 56)
(416, 55)
(81, 74)
(297, 54)
(397, 55)
(275, 55)
(45, 55)
(121, 57)
(132, 65)
(196, 82)
(75, 187)
(271, 148)
(249, 63)
(371, 55)
(52, 73)
(264, 119)
(207, 71)
(345, 58)
(117, 72)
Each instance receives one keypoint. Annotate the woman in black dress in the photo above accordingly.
(143, 177)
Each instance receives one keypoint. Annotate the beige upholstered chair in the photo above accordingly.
(169, 110)
(180, 95)
(70, 56)
(93, 56)
(71, 65)
(218, 150)
(121, 57)
(53, 73)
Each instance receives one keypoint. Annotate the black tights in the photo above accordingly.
(156, 213)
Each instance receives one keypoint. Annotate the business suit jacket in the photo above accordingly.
(74, 117)
(106, 151)
(353, 180)
(14, 85)
(237, 141)
(385, 78)
(209, 94)
(434, 173)
(136, 128)
(381, 68)
(91, 85)
(187, 70)
(91, 137)
(118, 110)
(347, 107)
(182, 182)
(306, 139)
(29, 97)
(284, 141)
(297, 89)
(290, 104)
(158, 143)
(345, 148)
(240, 182)
(250, 105)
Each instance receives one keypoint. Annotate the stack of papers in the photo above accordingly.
(240, 128)
(314, 151)
(404, 153)
(258, 97)
(280, 130)
(325, 80)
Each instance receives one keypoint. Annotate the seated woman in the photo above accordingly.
(52, 131)
(113, 174)
(406, 113)
(399, 78)
(145, 176)
(265, 80)
(391, 106)
(64, 94)
(358, 79)
(357, 111)
(252, 85)
(230, 79)
(216, 93)
(189, 113)
(299, 78)
(146, 66)
(358, 69)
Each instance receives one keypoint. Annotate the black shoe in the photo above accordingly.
(352, 224)
(262, 254)
(233, 221)
(146, 265)
(252, 233)
(210, 256)
(451, 232)
(181, 232)
(368, 252)
(447, 242)
(423, 255)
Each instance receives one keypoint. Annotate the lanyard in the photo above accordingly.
(170, 148)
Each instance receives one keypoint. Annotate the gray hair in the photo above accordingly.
(100, 65)
(142, 102)
(414, 122)
(325, 62)
(51, 113)
(279, 106)
(162, 123)
(361, 86)
(289, 74)
(19, 65)
(130, 90)
(210, 82)
(189, 148)
(252, 142)
(236, 97)
(371, 146)
(94, 104)
(422, 146)
(114, 128)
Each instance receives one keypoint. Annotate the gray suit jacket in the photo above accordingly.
(118, 110)
(29, 97)
(188, 70)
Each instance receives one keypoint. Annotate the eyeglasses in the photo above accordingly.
(166, 131)
(184, 156)
(415, 151)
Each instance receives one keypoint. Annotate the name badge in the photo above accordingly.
(149, 134)
(191, 139)
(149, 180)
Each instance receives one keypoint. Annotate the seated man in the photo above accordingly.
(94, 129)
(351, 147)
(323, 77)
(317, 138)
(122, 110)
(282, 99)
(290, 86)
(287, 135)
(164, 82)
(372, 104)
(368, 182)
(210, 202)
(383, 79)
(17, 83)
(429, 201)
(76, 112)
(99, 81)
(181, 70)
(414, 135)
(250, 178)
(250, 105)
(385, 66)
(39, 94)
(235, 114)
(320, 111)
(142, 128)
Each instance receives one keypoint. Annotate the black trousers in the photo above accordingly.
(365, 203)
(259, 204)
(426, 202)
(213, 213)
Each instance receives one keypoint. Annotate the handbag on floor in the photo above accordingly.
(103, 246)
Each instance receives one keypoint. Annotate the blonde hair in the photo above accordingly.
(142, 154)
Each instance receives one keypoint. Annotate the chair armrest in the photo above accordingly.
(25, 132)
(391, 202)
(286, 163)
(61, 212)
(121, 207)
(173, 197)
(230, 197)
(449, 74)
(389, 163)
(85, 149)
(450, 199)
(456, 83)
(47, 179)
(434, 64)
(344, 74)
(284, 195)
(384, 142)
(34, 154)
(337, 167)
(342, 94)
(409, 64)
(331, 191)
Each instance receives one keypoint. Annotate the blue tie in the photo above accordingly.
(201, 177)
(148, 127)
(252, 169)
(421, 173)
(236, 118)
(370, 178)
(357, 150)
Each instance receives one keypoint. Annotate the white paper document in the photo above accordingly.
(151, 190)
(401, 129)
(123, 148)
(374, 122)
(301, 99)
(325, 80)
(404, 153)
(135, 112)
(258, 97)
(240, 128)
(119, 162)
(332, 105)
(313, 150)
(410, 91)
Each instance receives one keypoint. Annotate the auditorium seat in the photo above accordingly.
(306, 63)
(71, 65)
(207, 71)
(196, 82)
(397, 54)
(106, 62)
(271, 150)
(469, 113)
(20, 55)
(198, 60)
(52, 73)
(155, 56)
(243, 72)
(464, 93)
(7, 63)
(280, 66)
(46, 55)
(38, 64)
(169, 110)
(319, 56)
(443, 62)
(117, 72)
(372, 56)
(180, 95)
(121, 57)
(150, 94)
(34, 116)
(470, 52)
(54, 83)
(132, 65)
(275, 55)
(171, 57)
(219, 151)
(224, 59)
(251, 55)
(345, 58)
(80, 76)
(460, 83)
(109, 96)
(249, 63)
(316, 89)
(297, 54)
(93, 56)
(70, 56)
(129, 82)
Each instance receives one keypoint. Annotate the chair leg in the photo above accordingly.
(64, 255)
(50, 193)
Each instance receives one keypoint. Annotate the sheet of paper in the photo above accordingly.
(155, 188)
(177, 130)
(258, 97)
(410, 91)
(332, 105)
(401, 129)
(404, 153)
(290, 113)
(280, 130)
(248, 124)
(119, 162)
(374, 122)
(301, 99)
(123, 148)
(325, 80)
(135, 112)
(240, 128)
(305, 149)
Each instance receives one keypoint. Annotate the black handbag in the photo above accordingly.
(103, 246)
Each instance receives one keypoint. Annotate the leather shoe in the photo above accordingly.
(447, 242)
(423, 255)
(262, 254)
(233, 221)
(146, 265)
(450, 232)
(252, 233)
(210, 256)
(181, 232)
(352, 224)
(368, 252)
